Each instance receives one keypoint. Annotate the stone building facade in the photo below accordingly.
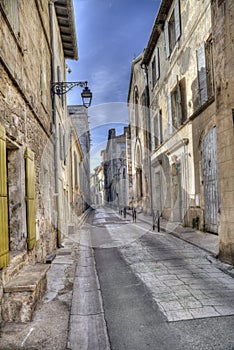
(181, 93)
(189, 84)
(223, 36)
(97, 186)
(33, 49)
(115, 170)
(74, 159)
(79, 118)
(140, 137)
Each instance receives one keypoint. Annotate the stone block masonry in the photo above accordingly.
(22, 293)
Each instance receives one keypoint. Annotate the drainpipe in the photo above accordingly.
(54, 115)
(144, 67)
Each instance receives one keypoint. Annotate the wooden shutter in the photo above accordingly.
(202, 76)
(153, 143)
(157, 63)
(177, 19)
(30, 199)
(169, 111)
(160, 126)
(166, 32)
(153, 71)
(178, 103)
(4, 238)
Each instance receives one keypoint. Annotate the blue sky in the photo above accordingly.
(110, 34)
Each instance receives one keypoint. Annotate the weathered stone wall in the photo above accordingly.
(196, 28)
(138, 130)
(223, 32)
(25, 113)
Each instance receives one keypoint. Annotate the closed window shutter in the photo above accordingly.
(153, 133)
(178, 103)
(4, 238)
(177, 19)
(157, 63)
(166, 31)
(30, 199)
(169, 111)
(202, 75)
(159, 126)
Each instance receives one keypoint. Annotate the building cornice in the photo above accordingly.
(157, 29)
(66, 22)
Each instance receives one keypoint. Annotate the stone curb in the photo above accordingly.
(87, 313)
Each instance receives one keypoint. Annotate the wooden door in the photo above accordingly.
(210, 181)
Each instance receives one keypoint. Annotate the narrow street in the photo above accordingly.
(116, 285)
(158, 291)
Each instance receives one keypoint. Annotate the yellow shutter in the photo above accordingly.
(30, 199)
(4, 238)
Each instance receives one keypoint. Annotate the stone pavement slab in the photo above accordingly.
(182, 281)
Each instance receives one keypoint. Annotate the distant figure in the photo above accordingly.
(125, 211)
(134, 214)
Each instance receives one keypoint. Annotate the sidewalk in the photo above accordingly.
(71, 314)
(206, 241)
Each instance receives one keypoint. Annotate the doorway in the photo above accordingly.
(210, 181)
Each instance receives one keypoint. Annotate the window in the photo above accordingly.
(205, 71)
(157, 63)
(177, 106)
(155, 67)
(157, 130)
(11, 10)
(210, 67)
(172, 29)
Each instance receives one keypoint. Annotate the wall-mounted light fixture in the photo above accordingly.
(60, 88)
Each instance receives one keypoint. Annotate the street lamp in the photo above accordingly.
(60, 88)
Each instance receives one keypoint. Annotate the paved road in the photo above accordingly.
(159, 292)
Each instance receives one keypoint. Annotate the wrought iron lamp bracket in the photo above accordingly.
(61, 88)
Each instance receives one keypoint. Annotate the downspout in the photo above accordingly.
(54, 115)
